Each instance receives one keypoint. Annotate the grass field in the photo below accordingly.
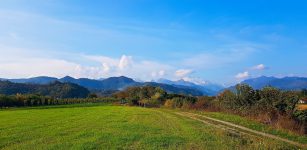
(116, 127)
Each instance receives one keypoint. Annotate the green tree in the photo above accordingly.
(245, 96)
(227, 99)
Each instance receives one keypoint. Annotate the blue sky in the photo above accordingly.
(219, 41)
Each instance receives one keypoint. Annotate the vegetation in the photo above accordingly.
(268, 105)
(20, 100)
(55, 90)
(116, 127)
(255, 125)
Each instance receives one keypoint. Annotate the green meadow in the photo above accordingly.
(116, 127)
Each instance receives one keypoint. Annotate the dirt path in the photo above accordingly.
(227, 125)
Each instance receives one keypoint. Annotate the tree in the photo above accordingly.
(227, 99)
(269, 97)
(92, 95)
(288, 102)
(245, 95)
(304, 93)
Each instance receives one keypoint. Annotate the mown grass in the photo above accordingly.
(115, 127)
(256, 126)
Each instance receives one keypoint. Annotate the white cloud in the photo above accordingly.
(38, 67)
(259, 67)
(125, 62)
(127, 66)
(183, 72)
(20, 63)
(198, 81)
(158, 74)
(105, 67)
(161, 73)
(242, 75)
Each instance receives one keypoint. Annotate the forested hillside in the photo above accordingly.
(55, 89)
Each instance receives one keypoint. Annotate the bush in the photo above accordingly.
(187, 105)
(268, 105)
(169, 104)
(203, 102)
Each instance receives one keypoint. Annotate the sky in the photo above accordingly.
(219, 41)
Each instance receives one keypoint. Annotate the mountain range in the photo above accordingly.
(286, 83)
(110, 85)
(207, 88)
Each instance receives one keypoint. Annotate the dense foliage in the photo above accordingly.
(19, 100)
(149, 96)
(268, 105)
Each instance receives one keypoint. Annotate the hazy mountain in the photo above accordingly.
(112, 84)
(286, 83)
(206, 88)
(118, 83)
(85, 82)
(35, 80)
(181, 86)
(178, 89)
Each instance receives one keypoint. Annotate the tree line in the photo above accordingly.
(22, 100)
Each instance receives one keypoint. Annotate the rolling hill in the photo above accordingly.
(55, 89)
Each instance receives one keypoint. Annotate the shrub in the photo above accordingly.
(169, 103)
(187, 105)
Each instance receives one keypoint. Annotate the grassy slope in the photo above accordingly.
(114, 127)
(256, 126)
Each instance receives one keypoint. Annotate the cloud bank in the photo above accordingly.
(242, 75)
(20, 63)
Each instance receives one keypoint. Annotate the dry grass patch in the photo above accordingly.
(302, 106)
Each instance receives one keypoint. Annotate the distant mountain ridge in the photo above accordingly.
(113, 84)
(34, 80)
(110, 84)
(176, 89)
(210, 89)
(286, 83)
